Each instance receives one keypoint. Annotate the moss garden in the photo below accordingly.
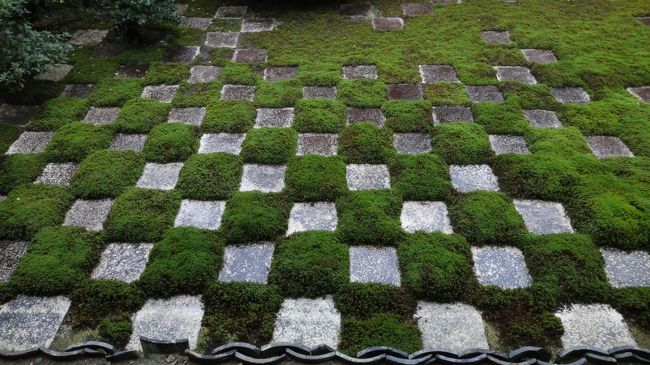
(477, 175)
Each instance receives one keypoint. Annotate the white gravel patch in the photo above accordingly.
(597, 325)
(200, 214)
(367, 177)
(123, 261)
(308, 322)
(319, 216)
(504, 267)
(374, 265)
(627, 269)
(543, 217)
(425, 217)
(264, 178)
(455, 327)
(470, 178)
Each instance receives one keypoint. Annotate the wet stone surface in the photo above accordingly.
(264, 178)
(324, 144)
(249, 55)
(88, 214)
(231, 12)
(195, 23)
(10, 254)
(274, 117)
(88, 37)
(237, 92)
(57, 174)
(203, 74)
(496, 37)
(501, 266)
(425, 217)
(455, 327)
(18, 114)
(181, 54)
(627, 269)
(308, 322)
(360, 72)
(200, 214)
(222, 142)
(483, 94)
(570, 95)
(412, 143)
(161, 93)
(374, 265)
(539, 56)
(128, 142)
(247, 263)
(222, 39)
(415, 9)
(312, 217)
(404, 92)
(30, 142)
(257, 25)
(56, 73)
(319, 92)
(280, 73)
(133, 71)
(123, 261)
(515, 73)
(160, 176)
(81, 91)
(542, 118)
(389, 23)
(189, 116)
(450, 114)
(596, 325)
(102, 116)
(367, 177)
(543, 217)
(470, 178)
(502, 144)
(608, 146)
(369, 115)
(437, 73)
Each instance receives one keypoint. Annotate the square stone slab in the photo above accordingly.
(132, 71)
(455, 327)
(237, 92)
(369, 115)
(231, 12)
(543, 217)
(88, 37)
(160, 176)
(128, 142)
(495, 37)
(425, 217)
(437, 73)
(450, 114)
(502, 144)
(539, 56)
(264, 178)
(388, 23)
(404, 92)
(308, 322)
(10, 254)
(161, 93)
(312, 217)
(18, 114)
(627, 269)
(81, 91)
(123, 261)
(102, 116)
(57, 174)
(470, 178)
(29, 322)
(189, 116)
(222, 39)
(642, 92)
(324, 144)
(222, 142)
(195, 22)
(594, 325)
(250, 55)
(374, 265)
(319, 92)
(274, 117)
(247, 263)
(30, 142)
(280, 73)
(415, 9)
(168, 320)
(56, 73)
(504, 267)
(200, 214)
(257, 25)
(181, 54)
(608, 146)
(482, 94)
(567, 95)
(367, 177)
(542, 118)
(360, 72)
(412, 143)
(203, 74)
(515, 73)
(88, 214)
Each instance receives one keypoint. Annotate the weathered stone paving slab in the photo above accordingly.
(515, 73)
(249, 55)
(57, 174)
(455, 327)
(502, 144)
(570, 95)
(412, 143)
(450, 114)
(608, 146)
(204, 74)
(81, 91)
(29, 322)
(404, 92)
(88, 37)
(102, 116)
(388, 23)
(237, 92)
(181, 54)
(627, 269)
(123, 261)
(594, 325)
(200, 214)
(312, 217)
(360, 72)
(308, 322)
(324, 144)
(437, 73)
(367, 177)
(276, 73)
(425, 217)
(56, 73)
(501, 266)
(18, 114)
(264, 178)
(133, 71)
(222, 39)
(195, 23)
(542, 118)
(369, 115)
(415, 9)
(274, 117)
(161, 93)
(642, 92)
(319, 92)
(189, 116)
(168, 320)
(88, 214)
(470, 178)
(496, 37)
(128, 142)
(222, 142)
(231, 12)
(30, 142)
(247, 263)
(543, 217)
(10, 254)
(540, 56)
(257, 25)
(374, 265)
(483, 94)
(160, 176)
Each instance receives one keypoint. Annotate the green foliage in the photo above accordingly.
(315, 178)
(379, 330)
(239, 74)
(319, 116)
(116, 330)
(369, 218)
(73, 142)
(115, 92)
(8, 134)
(166, 73)
(277, 94)
(408, 116)
(213, 176)
(107, 173)
(254, 216)
(58, 112)
(171, 142)
(365, 300)
(19, 169)
(130, 16)
(269, 145)
(461, 143)
(445, 93)
(229, 116)
(420, 177)
(141, 115)
(96, 299)
(365, 143)
(361, 93)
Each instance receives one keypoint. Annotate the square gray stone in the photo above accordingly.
(29, 322)
(204, 74)
(247, 263)
(367, 177)
(412, 143)
(189, 116)
(102, 116)
(608, 146)
(437, 73)
(10, 254)
(319, 92)
(542, 118)
(264, 178)
(88, 214)
(231, 12)
(515, 73)
(200, 214)
(368, 115)
(360, 72)
(404, 92)
(415, 9)
(470, 178)
(18, 114)
(455, 327)
(374, 265)
(312, 217)
(594, 325)
(543, 217)
(160, 176)
(627, 269)
(222, 39)
(123, 261)
(643, 92)
(425, 217)
(504, 267)
(502, 144)
(195, 22)
(495, 37)
(55, 73)
(570, 95)
(387, 23)
(483, 94)
(539, 56)
(161, 93)
(88, 37)
(81, 91)
(30, 142)
(132, 71)
(451, 114)
(128, 142)
(237, 92)
(222, 142)
(274, 117)
(181, 54)
(257, 25)
(324, 144)
(276, 73)
(308, 322)
(57, 174)
(250, 55)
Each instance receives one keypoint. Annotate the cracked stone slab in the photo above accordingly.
(360, 72)
(168, 320)
(496, 37)
(264, 178)
(404, 92)
(608, 146)
(369, 115)
(415, 9)
(451, 114)
(160, 176)
(308, 322)
(222, 39)
(123, 261)
(425, 217)
(412, 143)
(543, 217)
(57, 174)
(642, 92)
(594, 325)
(257, 25)
(542, 118)
(484, 94)
(88, 37)
(161, 93)
(367, 177)
(195, 23)
(88, 214)
(312, 217)
(132, 71)
(10, 254)
(319, 92)
(56, 73)
(189, 116)
(627, 269)
(102, 116)
(374, 265)
(276, 73)
(181, 54)
(437, 73)
(274, 117)
(200, 214)
(539, 56)
(30, 142)
(515, 73)
(204, 74)
(387, 23)
(222, 142)
(504, 267)
(502, 144)
(128, 142)
(29, 322)
(455, 326)
(324, 144)
(570, 95)
(231, 12)
(247, 263)
(250, 55)
(81, 91)
(18, 114)
(470, 178)
(237, 92)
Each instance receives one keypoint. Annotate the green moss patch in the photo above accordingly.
(107, 173)
(213, 176)
(277, 94)
(95, 300)
(408, 116)
(319, 116)
(230, 116)
(362, 93)
(141, 115)
(239, 74)
(379, 330)
(315, 178)
(444, 93)
(58, 112)
(166, 73)
(115, 92)
(461, 143)
(420, 177)
(74, 141)
(19, 169)
(253, 216)
(171, 142)
(369, 218)
(269, 145)
(365, 143)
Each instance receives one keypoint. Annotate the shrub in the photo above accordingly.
(141, 115)
(254, 216)
(213, 176)
(171, 142)
(74, 141)
(379, 330)
(96, 299)
(115, 92)
(365, 143)
(315, 178)
(365, 300)
(229, 116)
(269, 145)
(420, 177)
(107, 173)
(116, 330)
(362, 93)
(461, 143)
(166, 73)
(58, 112)
(239, 74)
(130, 16)
(446, 93)
(369, 218)
(19, 169)
(319, 116)
(310, 264)
(408, 116)
(278, 94)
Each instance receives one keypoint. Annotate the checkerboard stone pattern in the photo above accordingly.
(10, 254)
(168, 320)
(57, 174)
(204, 74)
(257, 25)
(222, 142)
(237, 92)
(360, 72)
(367, 177)
(594, 325)
(543, 217)
(30, 142)
(437, 73)
(608, 146)
(642, 92)
(88, 37)
(627, 269)
(88, 214)
(501, 266)
(515, 73)
(425, 217)
(308, 322)
(29, 322)
(247, 263)
(275, 73)
(484, 94)
(128, 142)
(369, 115)
(387, 23)
(263, 178)
(450, 114)
(539, 56)
(312, 217)
(200, 214)
(102, 116)
(123, 261)
(412, 143)
(319, 92)
(161, 93)
(570, 95)
(502, 144)
(455, 327)
(222, 39)
(496, 37)
(542, 118)
(190, 116)
(374, 265)
(274, 117)
(470, 178)
(160, 176)
(324, 144)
